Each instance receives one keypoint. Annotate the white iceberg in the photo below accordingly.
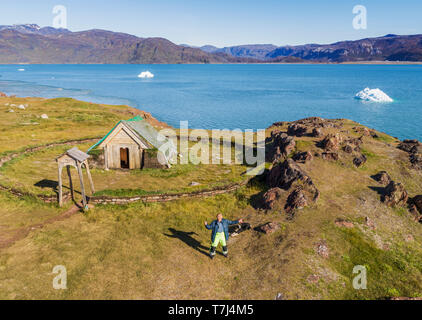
(145, 74)
(21, 69)
(373, 95)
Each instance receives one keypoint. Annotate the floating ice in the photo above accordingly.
(145, 74)
(21, 69)
(373, 95)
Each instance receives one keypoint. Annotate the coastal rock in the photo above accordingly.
(359, 161)
(3, 95)
(316, 133)
(268, 227)
(407, 145)
(331, 142)
(282, 145)
(283, 175)
(296, 200)
(362, 130)
(382, 177)
(270, 197)
(303, 157)
(21, 107)
(416, 160)
(395, 195)
(297, 130)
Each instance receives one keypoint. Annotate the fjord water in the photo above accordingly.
(236, 96)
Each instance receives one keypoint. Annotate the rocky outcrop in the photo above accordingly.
(268, 227)
(359, 160)
(3, 95)
(296, 200)
(395, 195)
(284, 174)
(297, 130)
(416, 160)
(343, 223)
(288, 175)
(282, 145)
(316, 133)
(415, 208)
(270, 198)
(331, 142)
(414, 148)
(382, 177)
(330, 156)
(303, 157)
(409, 146)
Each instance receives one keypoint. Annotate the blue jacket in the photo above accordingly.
(214, 227)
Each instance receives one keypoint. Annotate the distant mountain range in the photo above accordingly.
(387, 48)
(30, 43)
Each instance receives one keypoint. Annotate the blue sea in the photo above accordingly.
(235, 96)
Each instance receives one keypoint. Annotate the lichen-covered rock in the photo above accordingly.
(395, 195)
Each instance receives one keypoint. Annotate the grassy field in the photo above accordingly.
(158, 251)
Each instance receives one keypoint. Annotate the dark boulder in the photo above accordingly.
(283, 175)
(331, 142)
(407, 145)
(303, 157)
(416, 160)
(297, 130)
(316, 133)
(359, 161)
(382, 177)
(268, 227)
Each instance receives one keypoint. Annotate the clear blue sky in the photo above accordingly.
(226, 22)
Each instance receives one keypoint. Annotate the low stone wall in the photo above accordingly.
(14, 155)
(109, 199)
(166, 197)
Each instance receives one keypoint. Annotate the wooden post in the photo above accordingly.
(89, 177)
(60, 184)
(81, 180)
(70, 182)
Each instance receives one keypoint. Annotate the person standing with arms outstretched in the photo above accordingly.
(220, 233)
